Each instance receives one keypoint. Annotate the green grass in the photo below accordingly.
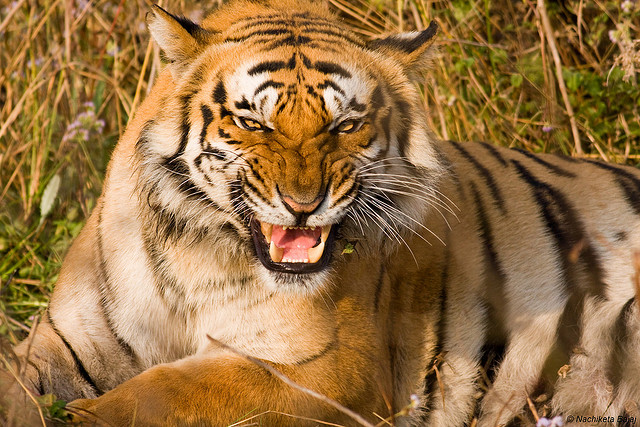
(70, 78)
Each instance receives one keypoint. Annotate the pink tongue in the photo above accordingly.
(295, 238)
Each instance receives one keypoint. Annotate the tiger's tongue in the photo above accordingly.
(295, 241)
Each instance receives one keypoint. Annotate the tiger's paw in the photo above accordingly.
(98, 412)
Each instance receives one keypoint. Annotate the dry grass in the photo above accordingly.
(556, 79)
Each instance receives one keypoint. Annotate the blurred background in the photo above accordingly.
(558, 77)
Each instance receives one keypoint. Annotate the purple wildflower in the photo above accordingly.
(546, 422)
(84, 126)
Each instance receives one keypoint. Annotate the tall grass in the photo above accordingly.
(561, 78)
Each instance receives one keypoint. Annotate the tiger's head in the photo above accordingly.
(288, 132)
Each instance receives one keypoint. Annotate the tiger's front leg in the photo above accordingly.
(226, 389)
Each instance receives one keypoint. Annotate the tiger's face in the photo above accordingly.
(291, 131)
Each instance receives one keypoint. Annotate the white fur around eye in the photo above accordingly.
(354, 88)
(240, 85)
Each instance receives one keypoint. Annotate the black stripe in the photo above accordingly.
(105, 287)
(235, 192)
(164, 284)
(349, 194)
(213, 152)
(330, 346)
(370, 141)
(356, 106)
(377, 97)
(430, 382)
(168, 226)
(312, 92)
(266, 85)
(620, 341)
(259, 33)
(207, 118)
(567, 230)
(185, 127)
(315, 25)
(180, 173)
(224, 113)
(629, 183)
(551, 167)
(40, 389)
(248, 185)
(331, 68)
(493, 150)
(143, 137)
(220, 94)
(495, 278)
(379, 283)
(328, 83)
(402, 136)
(343, 36)
(291, 40)
(267, 66)
(244, 104)
(385, 122)
(80, 367)
(498, 201)
(306, 61)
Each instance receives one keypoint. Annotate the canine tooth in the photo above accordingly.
(267, 230)
(275, 253)
(315, 254)
(325, 233)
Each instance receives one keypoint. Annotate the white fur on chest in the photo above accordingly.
(216, 295)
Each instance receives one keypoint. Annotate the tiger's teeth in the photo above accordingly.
(325, 233)
(294, 261)
(315, 254)
(267, 230)
(275, 252)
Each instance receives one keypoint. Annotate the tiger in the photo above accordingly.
(281, 239)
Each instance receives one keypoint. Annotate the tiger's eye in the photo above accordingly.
(348, 126)
(250, 124)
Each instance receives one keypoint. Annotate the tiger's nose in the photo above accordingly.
(297, 208)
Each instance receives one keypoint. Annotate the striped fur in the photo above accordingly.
(449, 260)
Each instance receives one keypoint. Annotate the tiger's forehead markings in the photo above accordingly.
(290, 29)
(268, 87)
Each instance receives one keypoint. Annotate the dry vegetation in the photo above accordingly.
(559, 79)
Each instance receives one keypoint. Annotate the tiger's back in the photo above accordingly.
(280, 196)
(543, 256)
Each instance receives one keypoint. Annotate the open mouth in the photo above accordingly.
(293, 249)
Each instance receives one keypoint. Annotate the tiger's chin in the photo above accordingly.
(293, 251)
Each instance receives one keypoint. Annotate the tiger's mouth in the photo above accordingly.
(293, 249)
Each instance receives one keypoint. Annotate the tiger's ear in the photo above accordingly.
(413, 50)
(180, 39)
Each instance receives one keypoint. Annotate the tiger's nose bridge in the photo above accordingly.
(302, 189)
